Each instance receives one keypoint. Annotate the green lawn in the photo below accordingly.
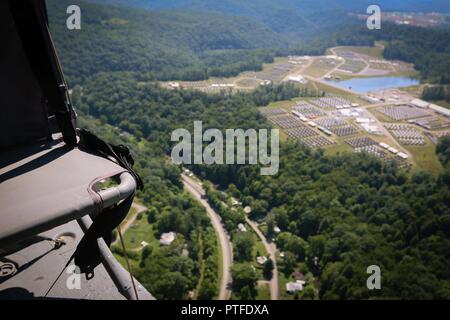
(425, 158)
(338, 148)
(263, 292)
(376, 52)
(318, 69)
(140, 231)
(129, 216)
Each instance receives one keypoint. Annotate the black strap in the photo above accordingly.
(120, 153)
(87, 255)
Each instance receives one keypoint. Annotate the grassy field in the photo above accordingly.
(376, 52)
(425, 158)
(129, 217)
(318, 69)
(263, 291)
(140, 231)
(338, 148)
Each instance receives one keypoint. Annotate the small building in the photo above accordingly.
(393, 150)
(144, 244)
(235, 202)
(363, 120)
(298, 79)
(403, 155)
(419, 103)
(166, 239)
(242, 228)
(293, 287)
(261, 260)
(276, 229)
(174, 85)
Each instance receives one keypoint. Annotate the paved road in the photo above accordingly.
(271, 249)
(194, 188)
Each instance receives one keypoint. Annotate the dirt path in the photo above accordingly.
(196, 190)
(271, 249)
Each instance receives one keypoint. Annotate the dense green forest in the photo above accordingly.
(349, 211)
(436, 93)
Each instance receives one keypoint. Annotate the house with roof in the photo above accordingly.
(293, 287)
(261, 260)
(166, 239)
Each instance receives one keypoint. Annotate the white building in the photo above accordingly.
(363, 120)
(174, 85)
(261, 260)
(419, 103)
(293, 287)
(402, 155)
(242, 228)
(167, 238)
(393, 150)
(441, 110)
(299, 79)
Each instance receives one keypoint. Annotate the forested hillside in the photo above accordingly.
(282, 16)
(261, 9)
(194, 45)
(162, 45)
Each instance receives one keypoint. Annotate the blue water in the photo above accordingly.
(363, 85)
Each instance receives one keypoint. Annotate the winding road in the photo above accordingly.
(197, 191)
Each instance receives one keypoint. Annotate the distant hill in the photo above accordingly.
(239, 6)
(124, 39)
(284, 15)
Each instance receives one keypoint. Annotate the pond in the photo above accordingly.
(363, 85)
